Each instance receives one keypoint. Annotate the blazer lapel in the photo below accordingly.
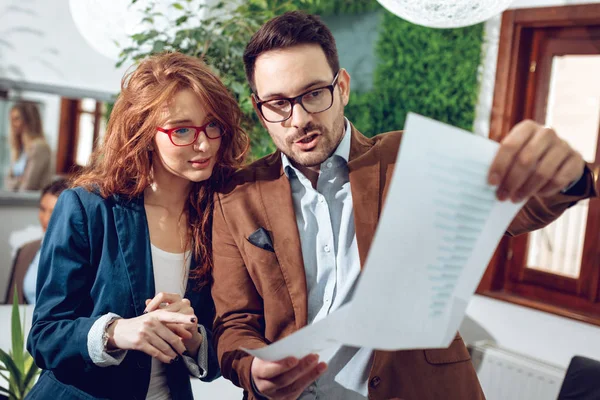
(134, 241)
(279, 208)
(364, 168)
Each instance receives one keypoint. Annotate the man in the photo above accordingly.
(25, 263)
(292, 231)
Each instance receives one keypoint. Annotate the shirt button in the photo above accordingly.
(329, 164)
(321, 199)
(326, 248)
(375, 382)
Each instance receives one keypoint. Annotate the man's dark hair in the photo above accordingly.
(287, 30)
(55, 188)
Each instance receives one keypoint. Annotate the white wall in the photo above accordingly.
(40, 44)
(541, 335)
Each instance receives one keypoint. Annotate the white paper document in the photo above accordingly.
(437, 233)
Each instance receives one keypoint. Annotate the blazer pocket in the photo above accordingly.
(456, 352)
(264, 268)
(259, 255)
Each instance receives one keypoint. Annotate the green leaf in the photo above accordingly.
(177, 6)
(16, 332)
(15, 373)
(181, 20)
(158, 46)
(32, 371)
(11, 395)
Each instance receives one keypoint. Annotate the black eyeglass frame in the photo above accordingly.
(297, 100)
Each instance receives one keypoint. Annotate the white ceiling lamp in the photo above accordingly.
(445, 13)
(103, 23)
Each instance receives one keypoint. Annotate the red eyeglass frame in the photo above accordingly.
(198, 129)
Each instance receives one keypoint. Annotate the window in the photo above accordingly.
(547, 70)
(82, 126)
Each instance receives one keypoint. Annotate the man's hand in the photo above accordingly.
(534, 161)
(287, 378)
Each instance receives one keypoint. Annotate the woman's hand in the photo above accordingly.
(175, 303)
(149, 333)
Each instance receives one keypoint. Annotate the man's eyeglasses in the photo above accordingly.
(187, 135)
(313, 101)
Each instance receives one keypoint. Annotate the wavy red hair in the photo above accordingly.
(122, 164)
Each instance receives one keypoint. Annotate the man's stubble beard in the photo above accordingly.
(324, 149)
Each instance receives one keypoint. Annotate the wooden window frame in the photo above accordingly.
(578, 299)
(70, 111)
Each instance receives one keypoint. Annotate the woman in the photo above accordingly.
(30, 154)
(25, 265)
(111, 318)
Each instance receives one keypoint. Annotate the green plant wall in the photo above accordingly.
(433, 72)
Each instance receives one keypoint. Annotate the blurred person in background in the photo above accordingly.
(25, 265)
(30, 153)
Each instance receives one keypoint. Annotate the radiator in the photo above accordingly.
(506, 375)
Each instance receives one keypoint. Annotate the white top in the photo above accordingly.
(170, 276)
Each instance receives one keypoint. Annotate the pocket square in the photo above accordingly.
(260, 238)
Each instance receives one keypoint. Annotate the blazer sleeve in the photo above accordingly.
(212, 362)
(36, 170)
(61, 319)
(239, 308)
(539, 212)
(207, 354)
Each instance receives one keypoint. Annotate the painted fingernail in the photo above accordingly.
(193, 320)
(186, 353)
(145, 312)
(174, 360)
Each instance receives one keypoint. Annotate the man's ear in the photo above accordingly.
(255, 106)
(344, 85)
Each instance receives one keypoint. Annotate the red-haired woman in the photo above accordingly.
(123, 293)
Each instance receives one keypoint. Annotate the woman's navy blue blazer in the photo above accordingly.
(96, 258)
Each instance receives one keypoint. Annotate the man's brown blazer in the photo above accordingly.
(261, 297)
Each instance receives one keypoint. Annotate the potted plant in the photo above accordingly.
(17, 366)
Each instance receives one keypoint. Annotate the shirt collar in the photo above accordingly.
(343, 150)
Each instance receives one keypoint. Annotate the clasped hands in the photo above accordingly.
(167, 329)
